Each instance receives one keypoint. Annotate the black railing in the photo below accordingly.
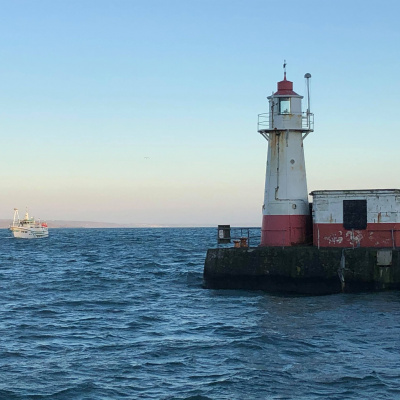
(239, 236)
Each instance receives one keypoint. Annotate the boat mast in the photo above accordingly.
(16, 215)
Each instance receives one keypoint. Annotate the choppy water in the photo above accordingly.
(121, 314)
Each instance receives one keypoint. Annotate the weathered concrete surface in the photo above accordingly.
(301, 269)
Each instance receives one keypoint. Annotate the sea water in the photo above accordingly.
(122, 314)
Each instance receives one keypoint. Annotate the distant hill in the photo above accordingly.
(5, 223)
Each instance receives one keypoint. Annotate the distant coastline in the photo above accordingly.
(5, 223)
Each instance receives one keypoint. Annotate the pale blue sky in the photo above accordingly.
(146, 111)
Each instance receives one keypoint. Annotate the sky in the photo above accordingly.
(145, 111)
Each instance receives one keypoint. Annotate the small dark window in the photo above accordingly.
(355, 214)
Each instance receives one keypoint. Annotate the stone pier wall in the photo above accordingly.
(303, 269)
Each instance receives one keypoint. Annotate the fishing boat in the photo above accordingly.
(28, 228)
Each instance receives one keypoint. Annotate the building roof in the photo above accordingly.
(355, 192)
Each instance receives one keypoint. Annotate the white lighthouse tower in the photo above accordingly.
(286, 213)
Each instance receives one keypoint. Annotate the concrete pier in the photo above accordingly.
(303, 269)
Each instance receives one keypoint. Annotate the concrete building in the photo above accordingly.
(356, 218)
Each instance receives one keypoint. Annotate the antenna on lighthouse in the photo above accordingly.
(308, 76)
(284, 70)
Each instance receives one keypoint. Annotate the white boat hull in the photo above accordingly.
(29, 233)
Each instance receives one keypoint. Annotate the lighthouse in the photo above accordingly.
(354, 243)
(286, 217)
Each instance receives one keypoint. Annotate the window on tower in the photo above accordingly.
(284, 105)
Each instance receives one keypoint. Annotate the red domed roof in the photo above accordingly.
(285, 88)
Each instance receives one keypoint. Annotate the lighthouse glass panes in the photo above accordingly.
(284, 105)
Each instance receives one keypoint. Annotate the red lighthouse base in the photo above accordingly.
(285, 230)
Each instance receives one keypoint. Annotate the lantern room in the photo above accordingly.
(285, 107)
